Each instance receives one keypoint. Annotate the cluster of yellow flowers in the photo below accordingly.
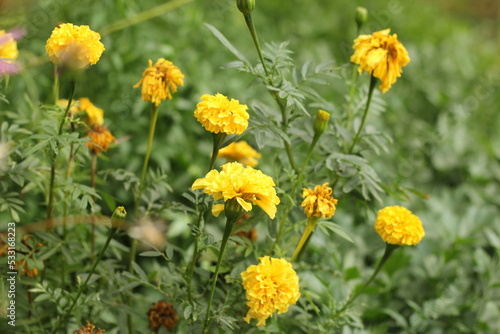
(270, 286)
(8, 49)
(319, 202)
(381, 55)
(245, 184)
(399, 226)
(74, 46)
(218, 114)
(159, 81)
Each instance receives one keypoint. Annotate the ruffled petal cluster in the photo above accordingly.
(241, 152)
(159, 81)
(162, 314)
(8, 47)
(218, 114)
(319, 202)
(100, 139)
(95, 115)
(270, 286)
(399, 226)
(245, 184)
(74, 46)
(381, 55)
(89, 329)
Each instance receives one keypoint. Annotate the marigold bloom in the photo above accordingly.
(100, 139)
(160, 81)
(95, 115)
(217, 114)
(381, 55)
(319, 202)
(88, 329)
(8, 50)
(162, 314)
(245, 184)
(74, 46)
(270, 286)
(75, 105)
(398, 226)
(241, 152)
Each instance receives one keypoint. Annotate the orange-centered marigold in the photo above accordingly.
(319, 202)
(381, 55)
(218, 114)
(245, 184)
(270, 286)
(100, 139)
(399, 226)
(74, 46)
(159, 81)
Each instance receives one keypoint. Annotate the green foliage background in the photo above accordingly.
(442, 115)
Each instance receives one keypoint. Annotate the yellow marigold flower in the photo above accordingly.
(95, 115)
(88, 329)
(241, 152)
(100, 139)
(245, 184)
(319, 202)
(217, 114)
(159, 80)
(75, 105)
(398, 226)
(381, 55)
(74, 46)
(270, 286)
(8, 49)
(162, 314)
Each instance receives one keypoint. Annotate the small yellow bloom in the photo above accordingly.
(270, 286)
(74, 46)
(160, 81)
(8, 49)
(398, 226)
(75, 105)
(381, 55)
(245, 184)
(100, 139)
(218, 114)
(95, 115)
(241, 152)
(319, 202)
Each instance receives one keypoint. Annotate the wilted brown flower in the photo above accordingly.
(88, 329)
(162, 314)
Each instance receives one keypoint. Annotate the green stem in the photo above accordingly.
(387, 254)
(373, 81)
(53, 167)
(227, 232)
(55, 88)
(308, 156)
(84, 285)
(253, 32)
(352, 91)
(311, 224)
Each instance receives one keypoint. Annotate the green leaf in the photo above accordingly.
(150, 254)
(141, 272)
(335, 229)
(226, 43)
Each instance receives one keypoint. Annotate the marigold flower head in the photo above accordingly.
(218, 114)
(75, 105)
(399, 226)
(160, 81)
(88, 329)
(8, 50)
(162, 314)
(74, 46)
(270, 286)
(381, 55)
(241, 152)
(95, 115)
(245, 184)
(100, 139)
(319, 202)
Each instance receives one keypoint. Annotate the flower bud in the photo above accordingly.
(361, 16)
(118, 216)
(321, 122)
(233, 210)
(245, 6)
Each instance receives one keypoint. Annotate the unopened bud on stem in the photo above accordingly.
(361, 17)
(321, 122)
(245, 6)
